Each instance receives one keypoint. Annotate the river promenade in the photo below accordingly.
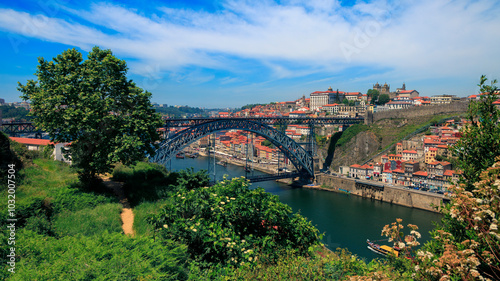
(374, 190)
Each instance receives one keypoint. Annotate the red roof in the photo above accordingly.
(398, 171)
(31, 141)
(410, 151)
(420, 173)
(449, 173)
(355, 166)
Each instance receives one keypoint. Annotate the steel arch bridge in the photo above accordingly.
(301, 159)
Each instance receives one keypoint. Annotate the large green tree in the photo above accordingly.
(373, 94)
(479, 145)
(383, 99)
(93, 105)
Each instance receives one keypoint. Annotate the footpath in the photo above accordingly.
(127, 215)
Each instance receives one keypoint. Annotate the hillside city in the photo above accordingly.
(424, 162)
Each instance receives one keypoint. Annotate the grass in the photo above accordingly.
(90, 221)
(141, 214)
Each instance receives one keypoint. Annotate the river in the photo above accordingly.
(346, 220)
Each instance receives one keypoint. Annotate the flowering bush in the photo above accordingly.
(467, 246)
(231, 224)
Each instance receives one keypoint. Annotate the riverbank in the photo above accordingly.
(242, 163)
(382, 192)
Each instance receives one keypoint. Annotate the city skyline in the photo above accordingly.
(231, 53)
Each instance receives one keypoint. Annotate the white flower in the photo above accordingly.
(194, 229)
(165, 226)
(222, 202)
(493, 227)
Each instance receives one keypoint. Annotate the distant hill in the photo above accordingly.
(361, 142)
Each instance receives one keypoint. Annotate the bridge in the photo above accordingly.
(192, 129)
(17, 128)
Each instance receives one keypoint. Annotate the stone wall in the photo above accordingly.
(418, 111)
(377, 191)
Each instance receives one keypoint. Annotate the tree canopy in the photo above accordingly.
(93, 105)
(479, 145)
(373, 94)
(383, 99)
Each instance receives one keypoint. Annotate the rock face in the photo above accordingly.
(356, 150)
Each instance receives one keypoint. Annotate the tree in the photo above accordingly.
(383, 99)
(479, 145)
(373, 94)
(93, 105)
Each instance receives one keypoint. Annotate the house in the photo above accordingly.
(39, 144)
(430, 155)
(387, 176)
(437, 168)
(398, 177)
(419, 179)
(409, 155)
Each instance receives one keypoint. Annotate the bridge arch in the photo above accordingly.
(299, 157)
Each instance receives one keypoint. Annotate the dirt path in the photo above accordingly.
(127, 214)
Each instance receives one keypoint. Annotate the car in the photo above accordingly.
(440, 192)
(424, 189)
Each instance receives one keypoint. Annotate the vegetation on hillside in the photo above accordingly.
(179, 111)
(17, 113)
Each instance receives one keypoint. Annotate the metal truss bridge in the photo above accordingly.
(192, 129)
(17, 128)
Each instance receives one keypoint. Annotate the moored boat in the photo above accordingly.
(179, 155)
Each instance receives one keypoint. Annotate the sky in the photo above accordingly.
(230, 53)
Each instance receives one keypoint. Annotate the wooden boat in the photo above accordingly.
(222, 163)
(382, 249)
(179, 155)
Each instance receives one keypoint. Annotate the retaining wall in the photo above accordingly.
(379, 191)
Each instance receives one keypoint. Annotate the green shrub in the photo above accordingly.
(231, 224)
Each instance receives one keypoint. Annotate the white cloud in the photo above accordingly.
(424, 39)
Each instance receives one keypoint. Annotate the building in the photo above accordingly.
(385, 89)
(443, 99)
(39, 144)
(320, 98)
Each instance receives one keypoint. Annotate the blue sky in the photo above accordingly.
(231, 53)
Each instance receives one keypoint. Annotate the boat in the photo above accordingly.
(248, 169)
(383, 250)
(179, 155)
(222, 163)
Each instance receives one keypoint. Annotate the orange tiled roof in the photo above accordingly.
(31, 141)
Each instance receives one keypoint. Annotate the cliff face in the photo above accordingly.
(359, 148)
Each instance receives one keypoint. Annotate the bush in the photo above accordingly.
(230, 224)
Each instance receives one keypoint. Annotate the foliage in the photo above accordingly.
(92, 104)
(351, 132)
(180, 111)
(250, 106)
(374, 94)
(467, 244)
(231, 224)
(267, 143)
(148, 182)
(383, 99)
(405, 243)
(480, 142)
(102, 257)
(89, 221)
(18, 113)
(7, 157)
